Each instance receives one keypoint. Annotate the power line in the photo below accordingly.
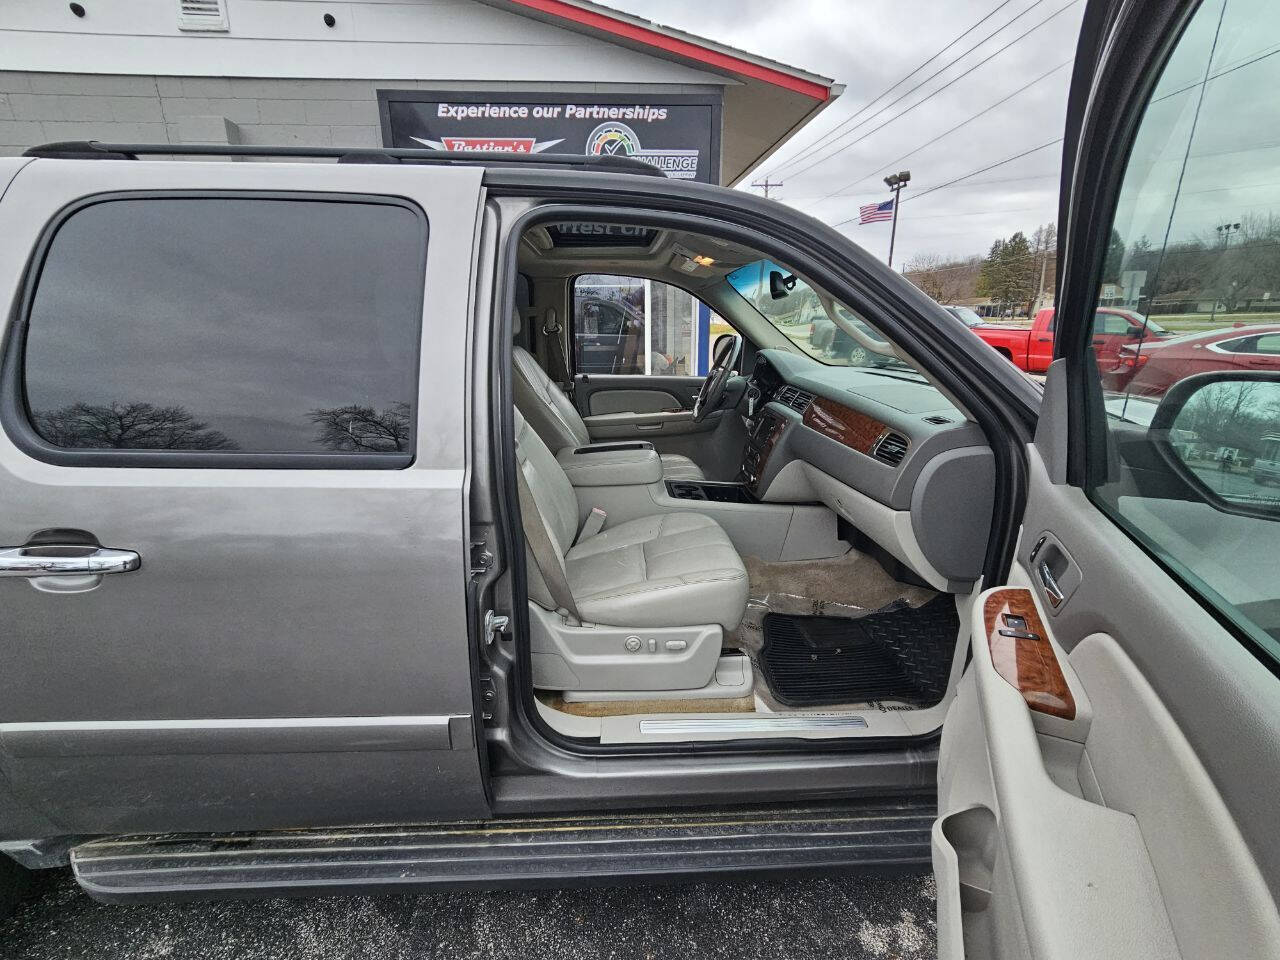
(922, 83)
(990, 166)
(818, 144)
(974, 213)
(954, 80)
(975, 183)
(1221, 73)
(974, 173)
(946, 133)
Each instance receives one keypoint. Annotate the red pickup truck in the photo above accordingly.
(1031, 347)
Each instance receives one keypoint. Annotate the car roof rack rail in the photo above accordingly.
(97, 150)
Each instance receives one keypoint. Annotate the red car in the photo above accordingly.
(1150, 368)
(1030, 348)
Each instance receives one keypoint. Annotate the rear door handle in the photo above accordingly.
(70, 560)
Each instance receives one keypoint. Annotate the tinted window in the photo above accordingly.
(1268, 345)
(1193, 418)
(234, 325)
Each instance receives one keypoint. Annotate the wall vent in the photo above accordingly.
(891, 448)
(209, 16)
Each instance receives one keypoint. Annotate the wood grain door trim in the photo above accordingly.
(1027, 663)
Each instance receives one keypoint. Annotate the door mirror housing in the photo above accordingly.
(722, 346)
(1220, 433)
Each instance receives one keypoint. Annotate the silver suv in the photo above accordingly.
(325, 567)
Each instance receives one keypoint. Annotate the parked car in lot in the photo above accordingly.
(609, 337)
(838, 344)
(1031, 348)
(1151, 368)
(314, 579)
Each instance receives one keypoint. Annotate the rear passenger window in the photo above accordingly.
(228, 326)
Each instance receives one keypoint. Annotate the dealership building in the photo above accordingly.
(515, 75)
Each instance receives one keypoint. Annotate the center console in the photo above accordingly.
(763, 434)
(611, 464)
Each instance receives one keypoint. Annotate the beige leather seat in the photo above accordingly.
(666, 570)
(555, 418)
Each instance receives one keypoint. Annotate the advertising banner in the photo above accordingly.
(679, 134)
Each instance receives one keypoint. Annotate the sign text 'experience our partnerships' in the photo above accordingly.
(680, 135)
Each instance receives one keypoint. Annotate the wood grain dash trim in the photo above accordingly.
(1029, 666)
(855, 430)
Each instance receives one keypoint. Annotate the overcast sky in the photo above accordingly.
(868, 45)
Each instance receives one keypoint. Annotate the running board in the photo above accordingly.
(528, 852)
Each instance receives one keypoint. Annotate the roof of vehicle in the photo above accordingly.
(97, 150)
(1212, 336)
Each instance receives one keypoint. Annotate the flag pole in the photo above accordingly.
(895, 183)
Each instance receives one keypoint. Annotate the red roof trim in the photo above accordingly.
(683, 48)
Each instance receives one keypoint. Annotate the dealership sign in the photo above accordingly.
(680, 135)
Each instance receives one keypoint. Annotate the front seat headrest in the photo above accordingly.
(516, 321)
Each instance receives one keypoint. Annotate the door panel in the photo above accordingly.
(1100, 832)
(1145, 827)
(597, 394)
(293, 651)
(625, 400)
(622, 407)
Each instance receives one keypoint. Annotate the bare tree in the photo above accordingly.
(355, 428)
(945, 279)
(128, 426)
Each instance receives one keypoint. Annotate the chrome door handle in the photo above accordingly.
(65, 560)
(1050, 584)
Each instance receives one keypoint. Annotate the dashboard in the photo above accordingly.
(881, 447)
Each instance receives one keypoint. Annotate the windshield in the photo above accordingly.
(968, 316)
(792, 308)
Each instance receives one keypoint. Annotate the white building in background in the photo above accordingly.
(521, 75)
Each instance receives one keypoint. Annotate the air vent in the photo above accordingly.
(891, 448)
(209, 16)
(795, 398)
(936, 419)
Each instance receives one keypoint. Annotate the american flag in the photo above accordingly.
(874, 212)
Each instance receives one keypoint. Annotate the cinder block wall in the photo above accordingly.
(45, 107)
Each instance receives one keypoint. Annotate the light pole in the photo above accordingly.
(1225, 233)
(895, 182)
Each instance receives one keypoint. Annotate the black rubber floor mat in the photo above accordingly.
(898, 653)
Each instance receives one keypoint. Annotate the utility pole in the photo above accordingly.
(766, 185)
(895, 182)
(1044, 263)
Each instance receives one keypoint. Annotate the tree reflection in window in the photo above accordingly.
(128, 426)
(356, 428)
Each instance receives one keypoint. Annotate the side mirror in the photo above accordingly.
(1220, 433)
(722, 345)
(781, 285)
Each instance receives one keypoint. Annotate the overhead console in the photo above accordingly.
(885, 451)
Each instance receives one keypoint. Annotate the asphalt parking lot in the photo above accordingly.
(849, 918)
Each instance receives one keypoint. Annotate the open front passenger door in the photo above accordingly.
(1108, 770)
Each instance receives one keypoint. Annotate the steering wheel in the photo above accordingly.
(723, 362)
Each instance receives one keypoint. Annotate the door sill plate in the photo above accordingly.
(775, 724)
